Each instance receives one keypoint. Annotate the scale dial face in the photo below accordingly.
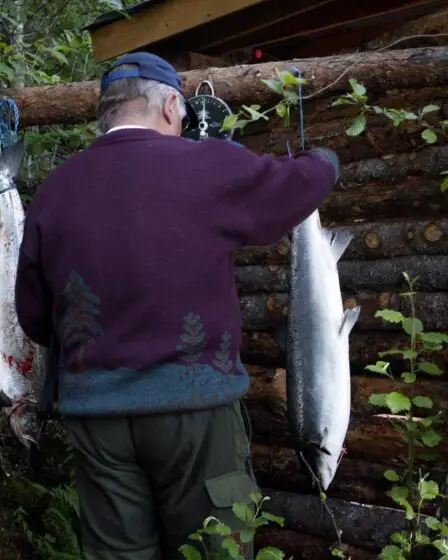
(211, 112)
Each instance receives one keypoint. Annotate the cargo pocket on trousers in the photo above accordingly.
(227, 489)
(223, 492)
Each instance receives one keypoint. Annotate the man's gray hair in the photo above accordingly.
(115, 96)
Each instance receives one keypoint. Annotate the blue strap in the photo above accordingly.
(9, 113)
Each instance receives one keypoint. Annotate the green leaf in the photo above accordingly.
(412, 326)
(357, 88)
(389, 315)
(6, 71)
(431, 438)
(444, 185)
(291, 96)
(398, 537)
(289, 79)
(430, 368)
(378, 399)
(243, 512)
(428, 489)
(397, 402)
(432, 523)
(357, 127)
(391, 552)
(280, 110)
(247, 535)
(427, 422)
(433, 340)
(337, 552)
(442, 546)
(189, 552)
(379, 367)
(408, 377)
(273, 518)
(229, 122)
(232, 547)
(429, 109)
(222, 529)
(270, 553)
(407, 354)
(275, 85)
(423, 402)
(343, 100)
(253, 112)
(429, 136)
(242, 123)
(256, 498)
(399, 493)
(58, 56)
(391, 475)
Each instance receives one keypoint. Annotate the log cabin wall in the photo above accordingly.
(391, 198)
(390, 195)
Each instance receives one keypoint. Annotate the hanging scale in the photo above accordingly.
(211, 112)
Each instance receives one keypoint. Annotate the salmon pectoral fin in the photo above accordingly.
(5, 401)
(338, 240)
(349, 320)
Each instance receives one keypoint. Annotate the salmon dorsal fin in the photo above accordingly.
(338, 240)
(349, 320)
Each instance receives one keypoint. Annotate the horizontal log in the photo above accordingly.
(262, 312)
(268, 390)
(305, 547)
(361, 525)
(371, 240)
(377, 275)
(395, 168)
(261, 348)
(410, 199)
(381, 71)
(372, 438)
(355, 480)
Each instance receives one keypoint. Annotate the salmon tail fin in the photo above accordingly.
(11, 158)
(349, 320)
(338, 240)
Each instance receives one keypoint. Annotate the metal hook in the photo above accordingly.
(210, 85)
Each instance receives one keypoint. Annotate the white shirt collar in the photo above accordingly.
(123, 127)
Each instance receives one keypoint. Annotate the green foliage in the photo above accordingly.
(411, 490)
(44, 43)
(45, 518)
(286, 86)
(249, 517)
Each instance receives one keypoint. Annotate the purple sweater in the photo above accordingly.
(127, 257)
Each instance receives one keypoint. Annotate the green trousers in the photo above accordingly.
(146, 483)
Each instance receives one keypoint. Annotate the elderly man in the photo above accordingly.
(127, 266)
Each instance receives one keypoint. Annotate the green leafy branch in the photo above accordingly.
(251, 516)
(358, 96)
(412, 490)
(286, 86)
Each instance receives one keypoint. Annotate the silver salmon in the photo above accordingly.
(22, 362)
(317, 349)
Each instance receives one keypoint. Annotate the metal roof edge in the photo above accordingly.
(110, 17)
